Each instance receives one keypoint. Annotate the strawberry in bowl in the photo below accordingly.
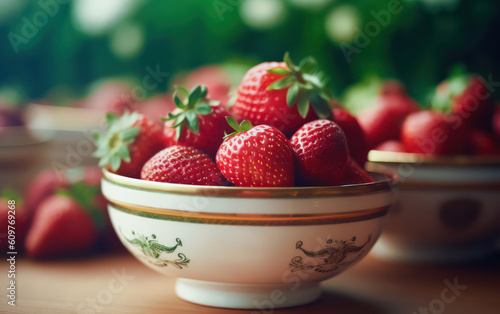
(212, 189)
(283, 95)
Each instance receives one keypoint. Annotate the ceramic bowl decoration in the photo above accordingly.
(447, 208)
(247, 247)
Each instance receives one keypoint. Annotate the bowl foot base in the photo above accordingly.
(264, 297)
(445, 254)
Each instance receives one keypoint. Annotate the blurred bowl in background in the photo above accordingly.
(240, 247)
(447, 208)
(23, 152)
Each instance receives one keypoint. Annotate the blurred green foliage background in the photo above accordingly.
(71, 44)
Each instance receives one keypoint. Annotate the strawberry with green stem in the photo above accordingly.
(466, 95)
(66, 223)
(198, 122)
(14, 220)
(258, 156)
(129, 142)
(281, 94)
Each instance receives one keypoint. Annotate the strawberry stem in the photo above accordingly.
(112, 147)
(306, 86)
(195, 103)
(244, 126)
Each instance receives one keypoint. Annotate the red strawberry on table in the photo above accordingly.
(467, 96)
(281, 94)
(42, 186)
(321, 151)
(199, 122)
(482, 143)
(12, 210)
(428, 132)
(66, 223)
(130, 141)
(258, 156)
(356, 139)
(184, 165)
(354, 174)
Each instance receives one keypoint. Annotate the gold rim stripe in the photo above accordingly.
(249, 219)
(419, 159)
(238, 192)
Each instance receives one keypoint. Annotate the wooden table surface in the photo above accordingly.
(118, 283)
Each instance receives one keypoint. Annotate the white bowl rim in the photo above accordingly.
(231, 191)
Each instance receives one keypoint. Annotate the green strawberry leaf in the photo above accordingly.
(279, 71)
(320, 106)
(11, 194)
(232, 123)
(282, 83)
(197, 105)
(113, 146)
(303, 102)
(85, 195)
(244, 126)
(182, 90)
(178, 102)
(306, 86)
(192, 121)
(203, 109)
(291, 94)
(457, 82)
(308, 65)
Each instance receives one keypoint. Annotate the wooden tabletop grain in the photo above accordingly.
(118, 283)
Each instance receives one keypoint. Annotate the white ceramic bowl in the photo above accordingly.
(247, 247)
(447, 208)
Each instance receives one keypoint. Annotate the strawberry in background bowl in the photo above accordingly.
(448, 161)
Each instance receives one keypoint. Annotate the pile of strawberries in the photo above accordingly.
(462, 119)
(58, 215)
(280, 132)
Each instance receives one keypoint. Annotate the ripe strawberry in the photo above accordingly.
(354, 174)
(199, 123)
(467, 96)
(321, 151)
(280, 94)
(391, 146)
(42, 186)
(482, 143)
(381, 107)
(383, 121)
(65, 224)
(429, 132)
(12, 210)
(258, 156)
(355, 136)
(133, 138)
(184, 165)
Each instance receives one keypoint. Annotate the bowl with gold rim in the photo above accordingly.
(446, 209)
(247, 247)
